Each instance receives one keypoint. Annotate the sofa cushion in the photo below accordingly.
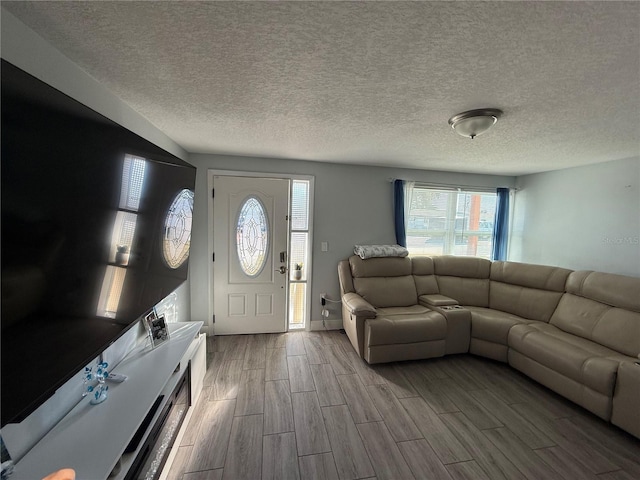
(541, 277)
(465, 279)
(468, 267)
(578, 359)
(380, 267)
(426, 284)
(492, 325)
(405, 328)
(615, 290)
(529, 303)
(423, 274)
(422, 266)
(387, 291)
(528, 291)
(603, 308)
(583, 343)
(620, 330)
(384, 282)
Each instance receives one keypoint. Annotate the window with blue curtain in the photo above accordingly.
(501, 225)
(447, 220)
(398, 211)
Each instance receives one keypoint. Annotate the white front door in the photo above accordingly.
(250, 231)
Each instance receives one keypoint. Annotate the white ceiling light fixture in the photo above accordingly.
(474, 122)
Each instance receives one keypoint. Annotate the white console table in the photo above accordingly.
(91, 439)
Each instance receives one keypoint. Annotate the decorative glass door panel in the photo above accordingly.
(252, 236)
(250, 245)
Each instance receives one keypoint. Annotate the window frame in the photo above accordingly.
(302, 282)
(450, 234)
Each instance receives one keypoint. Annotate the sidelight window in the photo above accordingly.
(298, 261)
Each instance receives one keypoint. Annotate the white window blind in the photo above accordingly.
(133, 172)
(300, 205)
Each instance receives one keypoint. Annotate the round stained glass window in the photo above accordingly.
(177, 229)
(252, 236)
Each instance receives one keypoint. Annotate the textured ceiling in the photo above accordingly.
(368, 82)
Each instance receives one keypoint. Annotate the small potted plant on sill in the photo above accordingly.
(122, 254)
(297, 271)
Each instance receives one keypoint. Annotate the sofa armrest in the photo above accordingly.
(436, 300)
(355, 311)
(625, 412)
(358, 306)
(458, 327)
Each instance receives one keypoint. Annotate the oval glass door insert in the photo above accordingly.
(252, 236)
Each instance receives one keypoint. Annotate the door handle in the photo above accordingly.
(282, 269)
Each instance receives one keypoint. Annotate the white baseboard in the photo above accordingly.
(335, 324)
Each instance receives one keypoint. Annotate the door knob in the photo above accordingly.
(282, 269)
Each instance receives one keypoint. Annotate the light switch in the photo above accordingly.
(324, 246)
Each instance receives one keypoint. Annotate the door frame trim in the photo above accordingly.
(209, 327)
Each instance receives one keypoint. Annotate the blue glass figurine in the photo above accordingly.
(99, 391)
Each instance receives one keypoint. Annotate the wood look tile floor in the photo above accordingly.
(303, 405)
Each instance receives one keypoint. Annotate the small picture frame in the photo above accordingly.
(158, 331)
(149, 318)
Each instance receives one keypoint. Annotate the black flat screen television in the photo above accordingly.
(95, 231)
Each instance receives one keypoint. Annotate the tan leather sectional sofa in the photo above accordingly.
(576, 332)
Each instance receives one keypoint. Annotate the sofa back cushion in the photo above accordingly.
(527, 290)
(424, 275)
(602, 307)
(465, 279)
(385, 281)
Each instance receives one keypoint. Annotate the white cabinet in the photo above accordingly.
(91, 439)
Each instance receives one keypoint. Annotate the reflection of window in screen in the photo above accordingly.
(122, 234)
(133, 172)
(111, 291)
(176, 240)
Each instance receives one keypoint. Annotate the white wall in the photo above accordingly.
(353, 205)
(583, 218)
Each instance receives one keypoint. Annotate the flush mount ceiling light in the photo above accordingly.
(474, 122)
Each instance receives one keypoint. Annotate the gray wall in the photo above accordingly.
(353, 205)
(584, 218)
